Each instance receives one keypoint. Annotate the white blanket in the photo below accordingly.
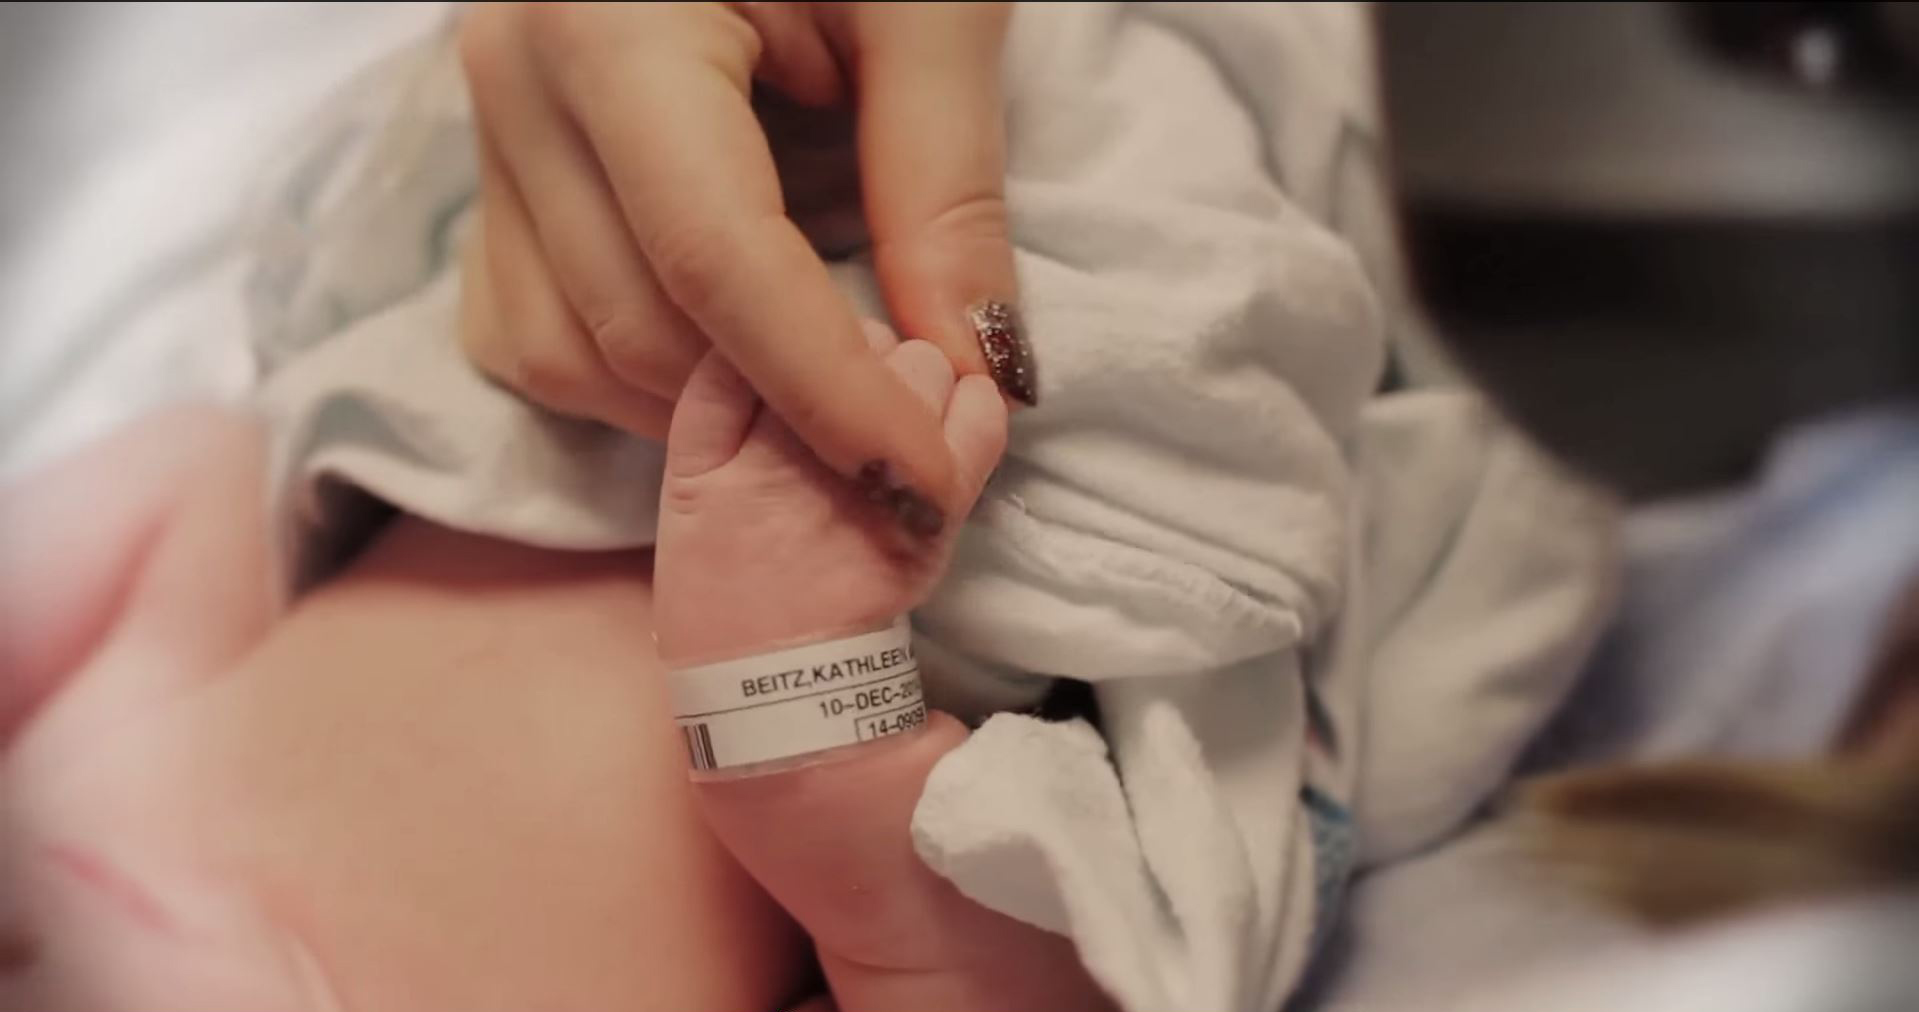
(1298, 600)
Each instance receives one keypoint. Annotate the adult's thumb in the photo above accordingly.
(933, 167)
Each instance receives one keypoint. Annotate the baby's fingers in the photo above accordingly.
(975, 415)
(925, 371)
(712, 419)
(976, 433)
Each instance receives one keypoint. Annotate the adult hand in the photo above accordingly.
(632, 211)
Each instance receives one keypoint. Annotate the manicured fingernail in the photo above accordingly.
(1008, 355)
(916, 513)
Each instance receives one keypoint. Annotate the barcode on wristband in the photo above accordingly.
(699, 746)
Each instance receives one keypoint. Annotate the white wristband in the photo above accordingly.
(799, 700)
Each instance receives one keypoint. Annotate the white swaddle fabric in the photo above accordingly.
(1179, 522)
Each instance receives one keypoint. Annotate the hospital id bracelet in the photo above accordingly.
(795, 703)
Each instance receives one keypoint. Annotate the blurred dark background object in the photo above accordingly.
(1659, 233)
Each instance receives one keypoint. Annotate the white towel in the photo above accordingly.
(1178, 521)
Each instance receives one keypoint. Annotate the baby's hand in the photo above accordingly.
(760, 544)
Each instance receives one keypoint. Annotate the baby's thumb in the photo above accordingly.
(973, 417)
(975, 427)
(832, 843)
(711, 420)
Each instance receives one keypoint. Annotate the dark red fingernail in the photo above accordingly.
(1009, 357)
(875, 483)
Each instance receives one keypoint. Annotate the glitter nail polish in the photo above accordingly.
(1009, 356)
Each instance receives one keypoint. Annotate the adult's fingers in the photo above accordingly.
(516, 326)
(794, 56)
(644, 338)
(932, 159)
(832, 844)
(662, 93)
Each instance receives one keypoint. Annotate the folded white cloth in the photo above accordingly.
(1476, 624)
(1178, 522)
(1751, 621)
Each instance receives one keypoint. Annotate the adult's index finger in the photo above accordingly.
(671, 121)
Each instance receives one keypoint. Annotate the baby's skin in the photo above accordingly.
(760, 544)
(448, 778)
(444, 780)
